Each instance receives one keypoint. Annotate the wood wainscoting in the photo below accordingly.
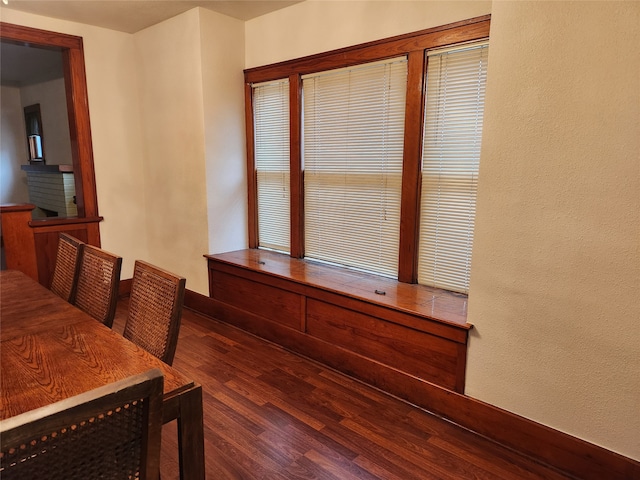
(46, 232)
(314, 331)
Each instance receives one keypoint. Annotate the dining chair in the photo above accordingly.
(65, 273)
(155, 310)
(111, 432)
(98, 280)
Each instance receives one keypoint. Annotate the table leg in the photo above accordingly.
(191, 435)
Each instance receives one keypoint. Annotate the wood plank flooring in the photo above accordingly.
(271, 414)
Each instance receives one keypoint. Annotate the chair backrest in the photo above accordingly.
(98, 281)
(65, 273)
(112, 432)
(155, 310)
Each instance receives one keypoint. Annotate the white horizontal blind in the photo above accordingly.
(454, 109)
(271, 127)
(353, 148)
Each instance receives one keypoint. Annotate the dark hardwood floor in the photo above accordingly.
(271, 414)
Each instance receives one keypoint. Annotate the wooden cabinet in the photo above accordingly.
(395, 336)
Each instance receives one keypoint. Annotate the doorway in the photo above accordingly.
(43, 233)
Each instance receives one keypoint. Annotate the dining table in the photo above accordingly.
(50, 350)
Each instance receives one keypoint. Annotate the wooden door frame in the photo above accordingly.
(71, 48)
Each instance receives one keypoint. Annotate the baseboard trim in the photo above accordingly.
(124, 288)
(564, 452)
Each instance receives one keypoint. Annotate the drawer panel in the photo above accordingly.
(274, 304)
(426, 356)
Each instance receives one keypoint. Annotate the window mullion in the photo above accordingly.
(296, 179)
(409, 214)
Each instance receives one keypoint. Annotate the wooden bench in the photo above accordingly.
(389, 334)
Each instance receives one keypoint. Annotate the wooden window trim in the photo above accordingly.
(75, 81)
(296, 191)
(414, 46)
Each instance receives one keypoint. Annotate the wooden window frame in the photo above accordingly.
(71, 48)
(414, 46)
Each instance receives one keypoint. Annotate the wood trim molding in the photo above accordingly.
(559, 450)
(463, 31)
(252, 180)
(295, 168)
(55, 222)
(414, 121)
(71, 48)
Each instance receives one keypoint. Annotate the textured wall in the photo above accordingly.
(316, 26)
(13, 181)
(555, 277)
(170, 91)
(222, 43)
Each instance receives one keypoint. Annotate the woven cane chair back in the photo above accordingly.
(98, 282)
(155, 310)
(65, 273)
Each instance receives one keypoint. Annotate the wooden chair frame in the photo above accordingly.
(53, 441)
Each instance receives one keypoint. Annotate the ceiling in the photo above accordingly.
(21, 65)
(131, 16)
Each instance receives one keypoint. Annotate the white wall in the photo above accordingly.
(316, 26)
(172, 71)
(170, 91)
(556, 270)
(52, 98)
(222, 41)
(13, 154)
(555, 278)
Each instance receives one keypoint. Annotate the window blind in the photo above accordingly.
(454, 110)
(353, 147)
(271, 127)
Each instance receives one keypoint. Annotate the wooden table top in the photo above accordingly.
(50, 350)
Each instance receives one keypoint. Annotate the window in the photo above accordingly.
(454, 109)
(353, 138)
(271, 126)
(382, 142)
